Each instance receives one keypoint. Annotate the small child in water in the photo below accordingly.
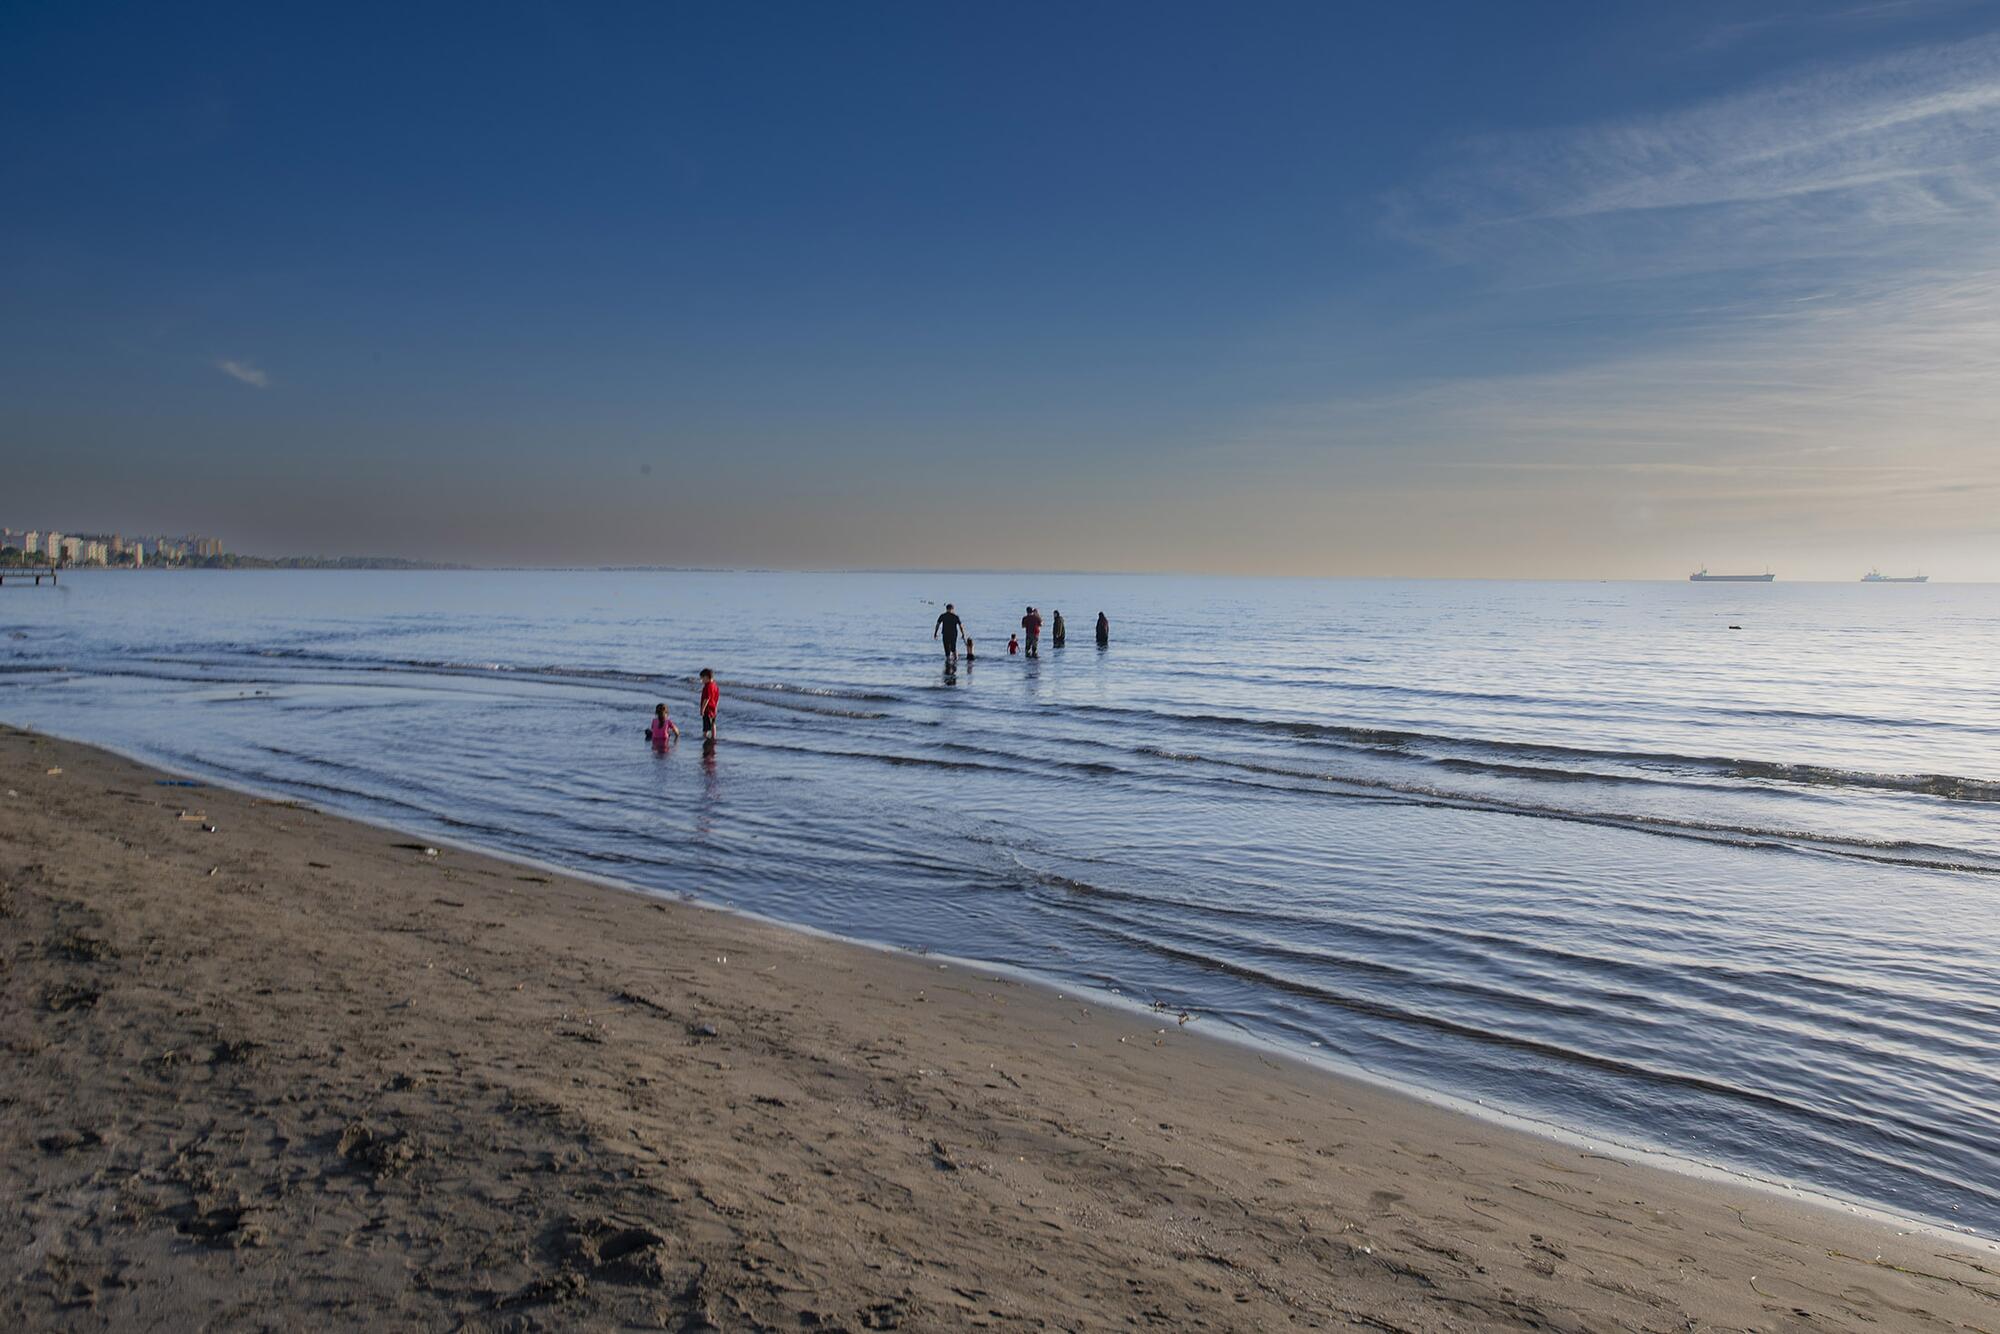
(1013, 643)
(711, 698)
(662, 727)
(968, 648)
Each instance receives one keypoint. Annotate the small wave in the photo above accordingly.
(1090, 768)
(1949, 786)
(1923, 856)
(878, 757)
(1426, 747)
(822, 711)
(824, 692)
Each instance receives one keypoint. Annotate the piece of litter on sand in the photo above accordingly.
(430, 852)
(208, 829)
(56, 770)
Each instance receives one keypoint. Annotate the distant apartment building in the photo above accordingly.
(53, 547)
(71, 549)
(96, 553)
(31, 544)
(138, 553)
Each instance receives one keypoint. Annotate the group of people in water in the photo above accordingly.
(950, 627)
(662, 732)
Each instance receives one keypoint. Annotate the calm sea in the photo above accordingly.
(1586, 852)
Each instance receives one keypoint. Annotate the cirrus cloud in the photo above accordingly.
(244, 371)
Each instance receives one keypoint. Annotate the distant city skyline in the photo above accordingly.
(1554, 290)
(89, 546)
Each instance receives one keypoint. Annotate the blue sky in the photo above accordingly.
(1426, 289)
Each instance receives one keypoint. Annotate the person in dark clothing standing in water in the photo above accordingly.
(1103, 630)
(1031, 625)
(1056, 632)
(948, 627)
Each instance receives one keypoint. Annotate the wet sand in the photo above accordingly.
(269, 1068)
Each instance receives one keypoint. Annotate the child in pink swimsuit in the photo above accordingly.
(662, 728)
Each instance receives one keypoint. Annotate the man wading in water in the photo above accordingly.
(1032, 625)
(948, 626)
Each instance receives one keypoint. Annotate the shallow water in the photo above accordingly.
(1580, 851)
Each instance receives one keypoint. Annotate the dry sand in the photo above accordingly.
(297, 1073)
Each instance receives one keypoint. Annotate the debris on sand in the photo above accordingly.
(231, 1051)
(384, 1155)
(223, 1225)
(612, 1252)
(68, 996)
(646, 1002)
(80, 949)
(565, 1285)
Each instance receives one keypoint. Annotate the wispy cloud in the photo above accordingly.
(244, 371)
(1876, 161)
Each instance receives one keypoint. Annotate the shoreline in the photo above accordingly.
(1655, 1157)
(275, 1099)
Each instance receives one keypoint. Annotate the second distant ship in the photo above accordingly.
(1702, 576)
(1877, 577)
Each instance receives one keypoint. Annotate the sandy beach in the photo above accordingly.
(269, 1068)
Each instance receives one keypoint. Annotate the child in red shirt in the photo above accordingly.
(1013, 643)
(711, 697)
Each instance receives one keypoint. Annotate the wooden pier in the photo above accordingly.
(18, 573)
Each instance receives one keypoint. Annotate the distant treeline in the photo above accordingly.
(316, 563)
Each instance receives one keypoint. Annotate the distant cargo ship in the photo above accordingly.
(1877, 577)
(1702, 576)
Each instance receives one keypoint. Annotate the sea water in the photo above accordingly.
(1587, 852)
